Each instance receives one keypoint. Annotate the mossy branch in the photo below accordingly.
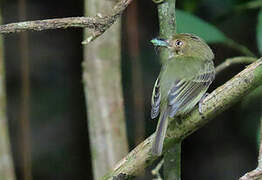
(167, 27)
(235, 60)
(167, 23)
(217, 102)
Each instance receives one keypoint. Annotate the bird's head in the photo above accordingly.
(185, 45)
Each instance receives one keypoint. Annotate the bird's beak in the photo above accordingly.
(160, 42)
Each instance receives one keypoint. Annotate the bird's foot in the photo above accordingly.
(201, 102)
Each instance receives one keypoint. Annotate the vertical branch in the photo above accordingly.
(167, 27)
(6, 162)
(167, 18)
(103, 91)
(24, 124)
(172, 161)
(167, 23)
(137, 84)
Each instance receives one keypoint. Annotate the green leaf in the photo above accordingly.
(188, 23)
(259, 31)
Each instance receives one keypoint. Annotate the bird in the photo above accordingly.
(182, 82)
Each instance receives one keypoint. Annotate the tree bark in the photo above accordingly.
(103, 91)
(167, 28)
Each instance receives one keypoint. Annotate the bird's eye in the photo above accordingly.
(178, 43)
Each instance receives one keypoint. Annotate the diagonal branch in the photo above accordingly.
(98, 24)
(235, 60)
(218, 101)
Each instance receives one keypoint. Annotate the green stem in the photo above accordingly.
(167, 18)
(167, 23)
(172, 163)
(155, 171)
(250, 5)
(236, 60)
(167, 27)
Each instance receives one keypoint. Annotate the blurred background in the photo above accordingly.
(224, 149)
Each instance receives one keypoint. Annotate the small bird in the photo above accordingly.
(182, 82)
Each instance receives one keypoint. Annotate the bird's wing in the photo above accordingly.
(155, 101)
(184, 94)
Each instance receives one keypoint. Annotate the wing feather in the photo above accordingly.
(156, 97)
(185, 94)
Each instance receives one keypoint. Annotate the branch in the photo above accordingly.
(103, 92)
(218, 101)
(256, 174)
(98, 24)
(236, 60)
(167, 27)
(250, 5)
(172, 162)
(155, 171)
(167, 24)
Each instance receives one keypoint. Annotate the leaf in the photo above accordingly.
(188, 23)
(259, 31)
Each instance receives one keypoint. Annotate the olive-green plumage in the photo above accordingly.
(183, 80)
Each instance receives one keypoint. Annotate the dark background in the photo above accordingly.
(224, 149)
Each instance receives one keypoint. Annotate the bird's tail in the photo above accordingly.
(160, 134)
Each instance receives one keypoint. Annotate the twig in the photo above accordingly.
(156, 170)
(98, 24)
(236, 60)
(218, 101)
(250, 5)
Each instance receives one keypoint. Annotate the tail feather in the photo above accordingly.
(160, 134)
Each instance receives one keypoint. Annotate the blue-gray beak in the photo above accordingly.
(160, 42)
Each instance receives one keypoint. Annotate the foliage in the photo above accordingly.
(189, 23)
(259, 31)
